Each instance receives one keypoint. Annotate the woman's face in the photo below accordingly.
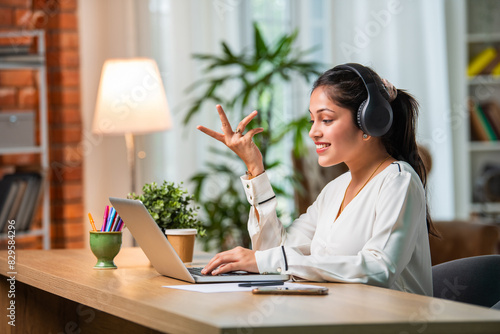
(333, 131)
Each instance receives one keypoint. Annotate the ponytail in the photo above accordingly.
(401, 144)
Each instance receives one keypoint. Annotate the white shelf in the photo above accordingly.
(19, 58)
(483, 37)
(36, 61)
(486, 207)
(21, 150)
(11, 65)
(484, 146)
(481, 88)
(484, 80)
(31, 233)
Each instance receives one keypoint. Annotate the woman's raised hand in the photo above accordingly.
(239, 143)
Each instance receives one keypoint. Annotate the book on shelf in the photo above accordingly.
(30, 200)
(492, 112)
(8, 191)
(492, 67)
(481, 61)
(496, 70)
(20, 194)
(484, 121)
(477, 130)
(16, 204)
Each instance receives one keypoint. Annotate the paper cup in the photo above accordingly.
(182, 240)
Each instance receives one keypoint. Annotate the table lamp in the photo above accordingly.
(131, 100)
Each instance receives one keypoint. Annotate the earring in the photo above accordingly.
(365, 136)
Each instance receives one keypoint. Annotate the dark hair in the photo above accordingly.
(346, 89)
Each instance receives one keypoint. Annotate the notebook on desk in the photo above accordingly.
(161, 253)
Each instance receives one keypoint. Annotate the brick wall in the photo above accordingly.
(18, 90)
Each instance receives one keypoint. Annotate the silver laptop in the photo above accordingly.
(163, 257)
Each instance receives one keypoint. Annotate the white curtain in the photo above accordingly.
(405, 42)
(177, 30)
(180, 28)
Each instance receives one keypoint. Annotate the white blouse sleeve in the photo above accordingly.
(268, 231)
(399, 214)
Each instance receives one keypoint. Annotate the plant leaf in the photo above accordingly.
(259, 43)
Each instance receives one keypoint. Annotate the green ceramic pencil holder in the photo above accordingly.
(105, 246)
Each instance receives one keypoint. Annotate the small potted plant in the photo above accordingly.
(169, 205)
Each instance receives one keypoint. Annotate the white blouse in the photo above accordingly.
(380, 238)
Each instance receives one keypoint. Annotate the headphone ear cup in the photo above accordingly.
(360, 115)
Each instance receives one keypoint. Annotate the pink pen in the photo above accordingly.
(105, 218)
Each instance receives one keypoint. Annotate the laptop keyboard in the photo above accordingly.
(196, 271)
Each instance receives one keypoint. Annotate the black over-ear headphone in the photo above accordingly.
(375, 113)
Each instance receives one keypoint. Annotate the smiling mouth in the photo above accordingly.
(320, 146)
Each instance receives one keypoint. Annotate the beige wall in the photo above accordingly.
(106, 28)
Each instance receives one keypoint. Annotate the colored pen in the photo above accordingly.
(115, 223)
(249, 284)
(110, 214)
(92, 222)
(111, 217)
(105, 218)
(112, 225)
(118, 227)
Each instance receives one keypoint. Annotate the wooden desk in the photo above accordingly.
(57, 291)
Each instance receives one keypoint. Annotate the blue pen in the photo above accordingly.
(111, 221)
(111, 217)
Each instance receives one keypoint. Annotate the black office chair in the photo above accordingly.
(474, 280)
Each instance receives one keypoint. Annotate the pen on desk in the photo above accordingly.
(249, 284)
(92, 222)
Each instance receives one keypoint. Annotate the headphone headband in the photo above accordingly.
(375, 113)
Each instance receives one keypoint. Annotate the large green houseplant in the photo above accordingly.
(251, 79)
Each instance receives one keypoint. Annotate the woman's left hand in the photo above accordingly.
(239, 143)
(238, 258)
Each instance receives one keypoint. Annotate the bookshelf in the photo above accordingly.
(20, 59)
(483, 88)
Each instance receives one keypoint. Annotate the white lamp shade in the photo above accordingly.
(131, 98)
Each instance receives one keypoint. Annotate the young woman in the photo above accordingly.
(369, 225)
